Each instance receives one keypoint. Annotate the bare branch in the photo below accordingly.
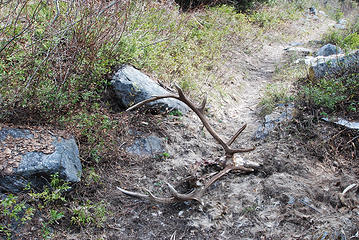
(57, 12)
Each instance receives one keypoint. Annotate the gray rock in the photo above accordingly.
(35, 167)
(280, 114)
(295, 44)
(345, 123)
(329, 49)
(340, 26)
(313, 10)
(301, 51)
(132, 86)
(323, 13)
(147, 146)
(342, 21)
(331, 65)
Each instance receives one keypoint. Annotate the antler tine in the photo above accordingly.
(202, 117)
(185, 197)
(203, 105)
(149, 196)
(137, 105)
(235, 136)
(241, 150)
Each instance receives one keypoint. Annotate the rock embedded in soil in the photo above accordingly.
(301, 51)
(344, 123)
(313, 10)
(149, 146)
(341, 24)
(280, 114)
(132, 86)
(29, 156)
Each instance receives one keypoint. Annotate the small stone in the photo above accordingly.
(342, 21)
(147, 146)
(313, 11)
(329, 49)
(323, 13)
(280, 114)
(340, 26)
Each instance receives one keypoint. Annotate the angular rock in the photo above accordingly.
(132, 86)
(147, 146)
(342, 21)
(280, 114)
(324, 66)
(344, 123)
(341, 24)
(28, 156)
(313, 11)
(295, 44)
(329, 49)
(301, 51)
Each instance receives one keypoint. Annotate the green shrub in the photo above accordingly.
(347, 39)
(274, 94)
(89, 214)
(333, 94)
(352, 41)
(12, 209)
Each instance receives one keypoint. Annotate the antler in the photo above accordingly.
(234, 165)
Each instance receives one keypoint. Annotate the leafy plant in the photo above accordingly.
(13, 210)
(177, 113)
(51, 194)
(347, 39)
(274, 94)
(333, 94)
(352, 41)
(338, 15)
(89, 214)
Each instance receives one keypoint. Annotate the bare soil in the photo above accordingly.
(296, 193)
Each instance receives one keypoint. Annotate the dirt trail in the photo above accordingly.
(292, 196)
(255, 71)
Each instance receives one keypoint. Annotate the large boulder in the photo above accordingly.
(32, 156)
(334, 64)
(132, 86)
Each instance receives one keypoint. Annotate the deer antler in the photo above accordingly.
(197, 194)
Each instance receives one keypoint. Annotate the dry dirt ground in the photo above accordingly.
(295, 194)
